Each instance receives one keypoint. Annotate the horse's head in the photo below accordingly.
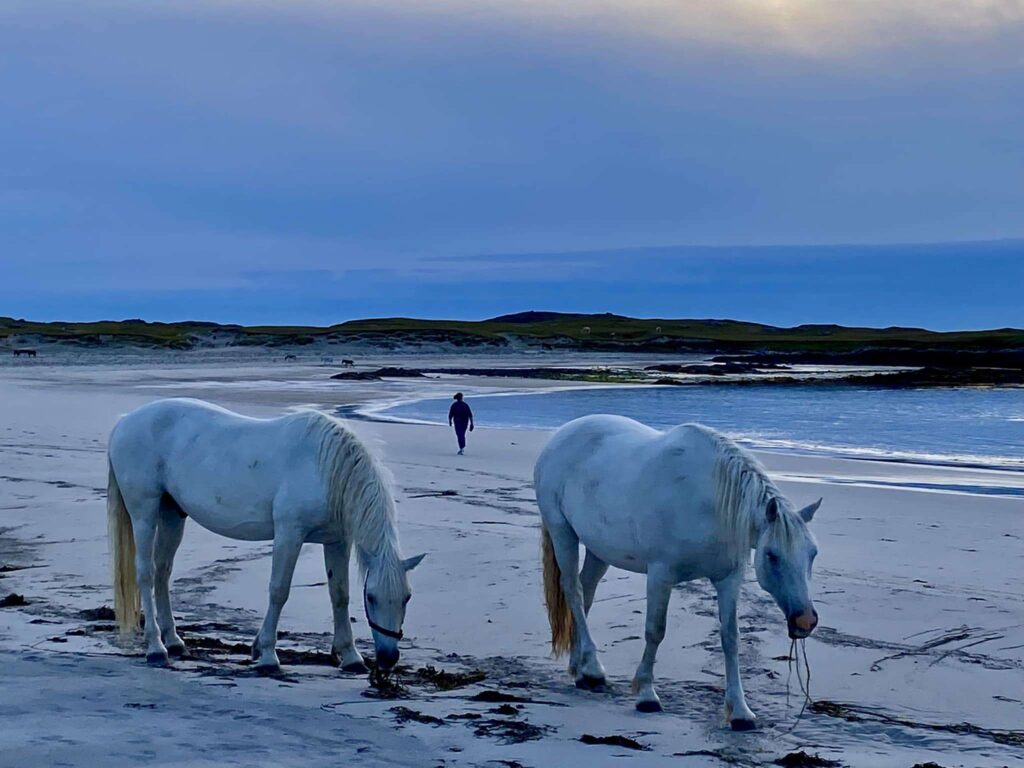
(386, 593)
(785, 552)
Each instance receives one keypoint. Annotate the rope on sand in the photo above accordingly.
(803, 682)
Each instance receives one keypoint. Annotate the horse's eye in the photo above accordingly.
(772, 558)
(371, 599)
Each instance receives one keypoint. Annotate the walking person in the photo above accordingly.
(460, 415)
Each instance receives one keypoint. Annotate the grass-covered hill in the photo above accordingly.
(605, 332)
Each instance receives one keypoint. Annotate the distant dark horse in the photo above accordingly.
(348, 363)
(27, 352)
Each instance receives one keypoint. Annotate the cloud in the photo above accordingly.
(153, 148)
(801, 27)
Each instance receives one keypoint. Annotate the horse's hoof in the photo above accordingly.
(268, 670)
(588, 683)
(176, 651)
(742, 724)
(157, 659)
(356, 668)
(255, 649)
(648, 706)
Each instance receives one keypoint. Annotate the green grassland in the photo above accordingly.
(545, 329)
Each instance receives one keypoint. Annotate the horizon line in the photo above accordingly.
(500, 319)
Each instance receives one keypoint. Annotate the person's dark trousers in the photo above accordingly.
(460, 432)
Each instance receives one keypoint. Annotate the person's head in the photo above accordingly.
(458, 396)
(782, 561)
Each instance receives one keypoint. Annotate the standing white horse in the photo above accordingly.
(678, 505)
(294, 479)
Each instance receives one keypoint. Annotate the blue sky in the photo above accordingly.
(315, 161)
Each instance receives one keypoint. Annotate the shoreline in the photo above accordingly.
(376, 411)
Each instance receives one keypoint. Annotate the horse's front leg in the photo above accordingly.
(736, 710)
(659, 590)
(343, 650)
(287, 545)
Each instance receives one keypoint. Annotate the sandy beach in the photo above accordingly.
(920, 587)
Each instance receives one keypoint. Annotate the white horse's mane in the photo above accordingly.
(743, 491)
(359, 494)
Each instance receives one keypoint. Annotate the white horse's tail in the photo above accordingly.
(559, 615)
(122, 550)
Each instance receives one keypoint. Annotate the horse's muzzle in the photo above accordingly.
(387, 658)
(802, 624)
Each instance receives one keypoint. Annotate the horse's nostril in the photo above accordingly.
(807, 621)
(804, 622)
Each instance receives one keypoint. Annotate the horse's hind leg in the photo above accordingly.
(584, 665)
(145, 511)
(343, 650)
(659, 589)
(287, 545)
(593, 571)
(170, 528)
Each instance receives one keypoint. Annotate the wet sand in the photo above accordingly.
(920, 586)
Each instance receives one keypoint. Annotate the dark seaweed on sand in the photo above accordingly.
(614, 740)
(497, 697)
(510, 731)
(444, 680)
(392, 685)
(385, 685)
(103, 613)
(803, 759)
(406, 715)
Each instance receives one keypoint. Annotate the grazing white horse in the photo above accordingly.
(678, 505)
(294, 479)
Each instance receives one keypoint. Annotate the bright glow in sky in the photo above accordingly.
(165, 159)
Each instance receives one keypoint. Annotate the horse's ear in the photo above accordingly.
(412, 562)
(807, 513)
(772, 513)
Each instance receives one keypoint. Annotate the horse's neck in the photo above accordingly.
(375, 536)
(386, 556)
(360, 499)
(382, 549)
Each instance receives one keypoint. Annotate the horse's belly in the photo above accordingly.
(612, 539)
(616, 559)
(248, 525)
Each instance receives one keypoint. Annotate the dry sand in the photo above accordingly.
(920, 655)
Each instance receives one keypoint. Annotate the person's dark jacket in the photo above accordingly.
(460, 414)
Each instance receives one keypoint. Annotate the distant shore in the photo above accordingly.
(691, 352)
(714, 374)
(525, 331)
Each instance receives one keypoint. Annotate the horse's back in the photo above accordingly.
(628, 490)
(587, 434)
(609, 445)
(153, 431)
(222, 468)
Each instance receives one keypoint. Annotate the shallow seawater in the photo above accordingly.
(969, 426)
